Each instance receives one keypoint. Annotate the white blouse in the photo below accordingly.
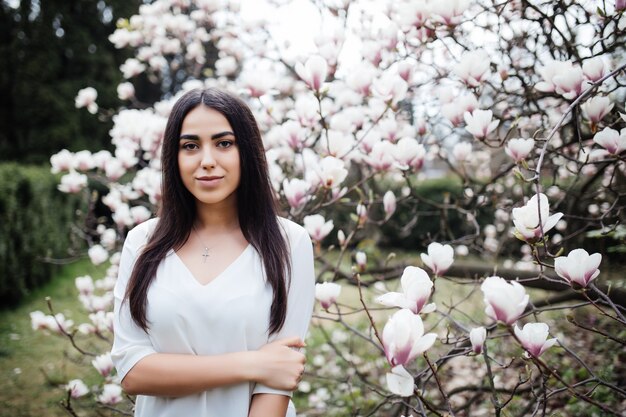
(229, 314)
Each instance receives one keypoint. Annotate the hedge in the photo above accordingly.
(34, 225)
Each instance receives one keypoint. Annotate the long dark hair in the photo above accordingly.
(256, 205)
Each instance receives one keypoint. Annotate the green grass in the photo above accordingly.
(33, 364)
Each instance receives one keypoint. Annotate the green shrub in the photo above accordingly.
(34, 225)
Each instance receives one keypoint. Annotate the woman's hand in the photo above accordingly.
(278, 365)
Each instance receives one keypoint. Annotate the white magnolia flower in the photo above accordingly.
(87, 98)
(594, 68)
(400, 382)
(518, 149)
(84, 285)
(404, 338)
(439, 258)
(103, 364)
(505, 301)
(313, 72)
(326, 293)
(578, 267)
(77, 388)
(528, 225)
(480, 123)
(111, 394)
(533, 337)
(62, 161)
(462, 151)
(97, 254)
(317, 227)
(596, 108)
(72, 182)
(331, 171)
(611, 140)
(473, 67)
(477, 337)
(389, 203)
(125, 91)
(296, 192)
(416, 290)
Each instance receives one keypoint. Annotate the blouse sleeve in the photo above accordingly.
(300, 299)
(131, 343)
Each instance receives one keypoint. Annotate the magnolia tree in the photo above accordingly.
(520, 104)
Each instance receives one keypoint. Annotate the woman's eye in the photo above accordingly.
(224, 143)
(189, 146)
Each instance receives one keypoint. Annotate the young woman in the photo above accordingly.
(213, 297)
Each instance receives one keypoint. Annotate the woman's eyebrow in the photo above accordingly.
(213, 137)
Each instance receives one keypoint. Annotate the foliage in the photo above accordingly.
(49, 50)
(34, 226)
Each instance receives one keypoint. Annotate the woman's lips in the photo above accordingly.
(209, 181)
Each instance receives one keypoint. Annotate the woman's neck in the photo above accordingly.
(212, 218)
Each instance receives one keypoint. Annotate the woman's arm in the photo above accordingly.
(173, 375)
(268, 405)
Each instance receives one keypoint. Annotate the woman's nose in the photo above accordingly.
(208, 159)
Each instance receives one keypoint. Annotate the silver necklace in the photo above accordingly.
(206, 248)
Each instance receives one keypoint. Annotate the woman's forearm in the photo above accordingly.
(176, 375)
(268, 405)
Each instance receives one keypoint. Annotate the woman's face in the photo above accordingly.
(208, 157)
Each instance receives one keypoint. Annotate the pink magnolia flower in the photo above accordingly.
(409, 154)
(527, 220)
(125, 91)
(477, 337)
(296, 192)
(97, 254)
(72, 182)
(533, 338)
(611, 140)
(103, 364)
(84, 285)
(449, 12)
(479, 123)
(518, 149)
(505, 301)
(389, 204)
(400, 382)
(548, 72)
(361, 260)
(416, 290)
(439, 258)
(462, 151)
(313, 72)
(77, 388)
(87, 98)
(454, 110)
(111, 394)
(569, 84)
(317, 227)
(404, 338)
(381, 156)
(473, 67)
(390, 88)
(596, 108)
(594, 68)
(326, 293)
(61, 161)
(331, 171)
(578, 267)
(620, 5)
(83, 161)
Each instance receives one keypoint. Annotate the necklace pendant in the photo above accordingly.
(205, 255)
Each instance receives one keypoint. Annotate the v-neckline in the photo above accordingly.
(218, 276)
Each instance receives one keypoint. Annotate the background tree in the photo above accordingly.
(51, 49)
